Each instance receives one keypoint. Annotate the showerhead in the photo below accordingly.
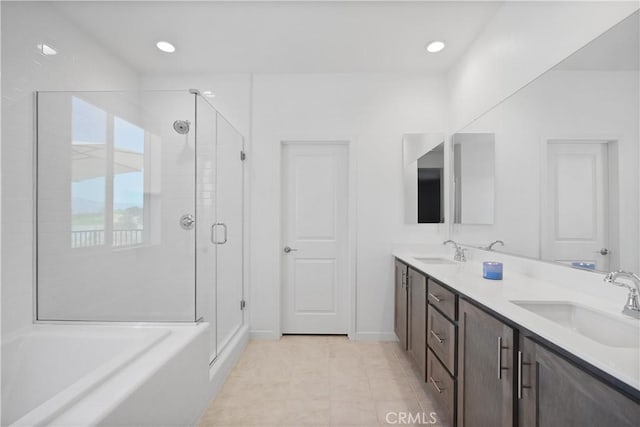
(181, 126)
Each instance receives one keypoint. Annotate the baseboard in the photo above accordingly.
(264, 335)
(376, 336)
(359, 336)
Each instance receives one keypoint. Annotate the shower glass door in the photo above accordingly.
(228, 232)
(206, 249)
(116, 206)
(220, 231)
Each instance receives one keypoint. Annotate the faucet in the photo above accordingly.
(492, 244)
(632, 307)
(459, 256)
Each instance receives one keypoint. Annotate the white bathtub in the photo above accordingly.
(104, 375)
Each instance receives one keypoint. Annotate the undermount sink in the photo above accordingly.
(593, 324)
(434, 260)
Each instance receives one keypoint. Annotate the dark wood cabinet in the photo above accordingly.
(485, 372)
(410, 323)
(442, 387)
(401, 302)
(417, 319)
(553, 392)
(442, 338)
(443, 299)
(485, 369)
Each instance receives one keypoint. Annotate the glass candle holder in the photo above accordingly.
(584, 265)
(492, 270)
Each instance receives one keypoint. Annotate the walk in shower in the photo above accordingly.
(139, 210)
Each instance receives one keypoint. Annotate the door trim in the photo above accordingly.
(348, 142)
(611, 141)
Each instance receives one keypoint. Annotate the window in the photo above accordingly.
(88, 174)
(128, 183)
(107, 179)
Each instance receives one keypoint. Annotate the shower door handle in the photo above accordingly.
(214, 234)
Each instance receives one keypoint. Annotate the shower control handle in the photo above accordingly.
(187, 221)
(214, 235)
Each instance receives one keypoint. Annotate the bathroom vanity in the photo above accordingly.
(553, 170)
(501, 353)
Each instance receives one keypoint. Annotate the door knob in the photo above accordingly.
(603, 251)
(287, 249)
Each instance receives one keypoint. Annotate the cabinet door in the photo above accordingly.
(554, 392)
(418, 319)
(401, 298)
(485, 369)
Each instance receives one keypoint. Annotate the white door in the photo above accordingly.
(314, 249)
(574, 221)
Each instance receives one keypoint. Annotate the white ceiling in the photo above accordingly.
(616, 50)
(276, 37)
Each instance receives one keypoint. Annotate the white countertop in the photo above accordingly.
(466, 277)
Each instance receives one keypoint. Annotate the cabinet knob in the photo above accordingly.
(435, 384)
(435, 297)
(436, 336)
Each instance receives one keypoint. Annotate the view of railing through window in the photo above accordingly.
(88, 238)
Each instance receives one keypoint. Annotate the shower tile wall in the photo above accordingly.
(81, 64)
(145, 164)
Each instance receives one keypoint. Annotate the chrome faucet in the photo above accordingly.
(492, 244)
(459, 255)
(632, 307)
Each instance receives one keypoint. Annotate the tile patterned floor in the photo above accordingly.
(321, 381)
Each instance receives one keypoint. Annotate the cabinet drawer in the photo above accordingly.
(441, 337)
(442, 387)
(442, 298)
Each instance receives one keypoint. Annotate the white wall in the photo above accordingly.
(81, 64)
(373, 111)
(561, 104)
(522, 41)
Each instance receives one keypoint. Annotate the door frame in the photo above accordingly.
(348, 142)
(611, 141)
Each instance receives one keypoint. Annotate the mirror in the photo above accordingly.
(423, 166)
(473, 178)
(567, 161)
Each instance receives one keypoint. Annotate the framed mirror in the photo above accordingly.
(423, 160)
(567, 152)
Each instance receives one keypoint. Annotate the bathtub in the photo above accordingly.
(80, 375)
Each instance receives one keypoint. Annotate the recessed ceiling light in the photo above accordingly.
(166, 47)
(209, 94)
(435, 46)
(46, 50)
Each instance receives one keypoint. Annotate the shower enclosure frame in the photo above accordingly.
(198, 317)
